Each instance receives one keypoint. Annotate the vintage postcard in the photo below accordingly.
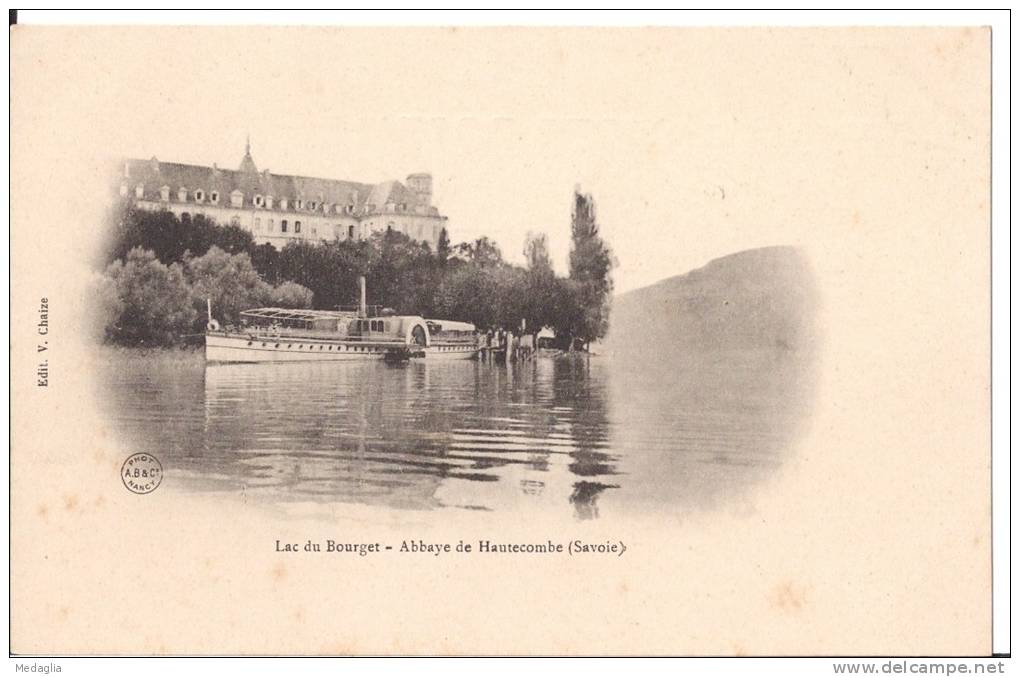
(555, 341)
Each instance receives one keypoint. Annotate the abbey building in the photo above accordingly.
(278, 208)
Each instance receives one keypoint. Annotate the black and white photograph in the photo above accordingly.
(515, 340)
(298, 339)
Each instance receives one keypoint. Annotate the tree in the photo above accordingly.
(443, 247)
(229, 281)
(508, 287)
(171, 238)
(330, 270)
(266, 259)
(482, 252)
(536, 253)
(159, 232)
(231, 239)
(289, 295)
(540, 290)
(153, 303)
(402, 274)
(106, 306)
(466, 294)
(568, 311)
(591, 264)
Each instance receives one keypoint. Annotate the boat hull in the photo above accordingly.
(225, 347)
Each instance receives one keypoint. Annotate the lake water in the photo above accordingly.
(587, 436)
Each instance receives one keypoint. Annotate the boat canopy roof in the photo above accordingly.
(297, 314)
(450, 325)
(301, 315)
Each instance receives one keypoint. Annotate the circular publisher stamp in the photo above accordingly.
(141, 473)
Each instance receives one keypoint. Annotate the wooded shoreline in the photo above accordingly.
(159, 271)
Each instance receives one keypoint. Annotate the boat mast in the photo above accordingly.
(361, 307)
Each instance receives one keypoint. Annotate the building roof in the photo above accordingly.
(365, 198)
(393, 192)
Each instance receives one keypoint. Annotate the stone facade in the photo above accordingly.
(277, 208)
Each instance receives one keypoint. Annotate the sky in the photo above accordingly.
(694, 143)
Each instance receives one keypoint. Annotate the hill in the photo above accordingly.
(759, 298)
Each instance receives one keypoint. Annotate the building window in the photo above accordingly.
(164, 193)
(258, 223)
(258, 201)
(123, 190)
(235, 221)
(269, 202)
(283, 226)
(199, 195)
(350, 209)
(300, 204)
(139, 191)
(402, 207)
(314, 231)
(283, 203)
(269, 226)
(350, 232)
(297, 226)
(214, 197)
(182, 195)
(312, 206)
(236, 198)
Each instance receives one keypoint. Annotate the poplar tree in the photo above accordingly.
(443, 247)
(591, 264)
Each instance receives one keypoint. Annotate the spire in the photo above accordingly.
(247, 164)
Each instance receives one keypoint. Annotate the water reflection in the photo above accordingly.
(589, 436)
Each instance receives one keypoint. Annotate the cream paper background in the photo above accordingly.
(867, 148)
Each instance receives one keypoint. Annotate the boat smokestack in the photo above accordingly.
(362, 309)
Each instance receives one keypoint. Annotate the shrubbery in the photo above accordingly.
(289, 295)
(141, 301)
(149, 303)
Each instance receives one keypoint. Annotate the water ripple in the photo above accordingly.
(564, 433)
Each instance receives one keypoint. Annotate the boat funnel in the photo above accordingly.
(362, 310)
